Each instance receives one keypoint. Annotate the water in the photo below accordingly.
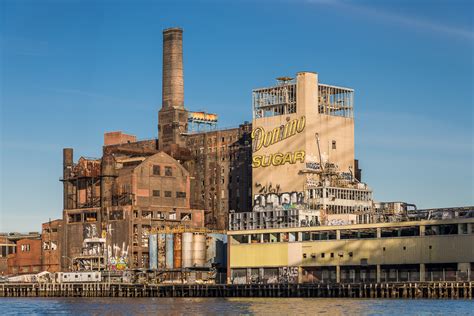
(232, 306)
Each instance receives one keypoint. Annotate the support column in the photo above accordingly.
(379, 270)
(338, 274)
(422, 271)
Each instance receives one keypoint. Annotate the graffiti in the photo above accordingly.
(118, 263)
(267, 188)
(89, 231)
(118, 257)
(338, 222)
(285, 201)
(289, 275)
(313, 165)
(262, 138)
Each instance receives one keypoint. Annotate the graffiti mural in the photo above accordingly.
(118, 257)
(90, 231)
(289, 275)
(284, 201)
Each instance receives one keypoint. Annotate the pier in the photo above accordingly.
(416, 290)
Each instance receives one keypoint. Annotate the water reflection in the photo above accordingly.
(231, 306)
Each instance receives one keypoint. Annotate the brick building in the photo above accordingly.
(27, 258)
(51, 245)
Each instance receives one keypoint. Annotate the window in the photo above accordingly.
(168, 194)
(156, 170)
(333, 144)
(116, 215)
(156, 193)
(25, 247)
(180, 194)
(322, 255)
(168, 172)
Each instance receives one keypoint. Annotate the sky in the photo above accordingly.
(72, 70)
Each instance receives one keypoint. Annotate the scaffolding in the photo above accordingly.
(335, 101)
(277, 100)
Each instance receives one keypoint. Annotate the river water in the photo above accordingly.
(232, 306)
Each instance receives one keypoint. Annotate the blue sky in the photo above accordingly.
(71, 70)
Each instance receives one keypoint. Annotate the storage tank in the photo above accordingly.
(169, 251)
(177, 251)
(153, 250)
(199, 250)
(187, 250)
(161, 251)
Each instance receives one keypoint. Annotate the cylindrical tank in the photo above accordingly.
(199, 250)
(173, 83)
(161, 251)
(153, 250)
(177, 251)
(187, 250)
(169, 251)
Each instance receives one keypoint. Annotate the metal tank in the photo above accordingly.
(187, 250)
(153, 250)
(169, 251)
(161, 251)
(199, 250)
(177, 251)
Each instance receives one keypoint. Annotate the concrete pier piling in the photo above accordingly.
(447, 290)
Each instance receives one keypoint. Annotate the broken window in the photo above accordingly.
(333, 144)
(116, 215)
(156, 170)
(168, 171)
(74, 218)
(90, 216)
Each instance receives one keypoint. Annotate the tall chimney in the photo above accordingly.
(68, 162)
(172, 117)
(173, 84)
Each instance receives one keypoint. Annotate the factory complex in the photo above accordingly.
(278, 200)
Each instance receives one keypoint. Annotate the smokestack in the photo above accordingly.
(68, 162)
(173, 84)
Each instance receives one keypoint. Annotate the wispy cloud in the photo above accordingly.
(396, 19)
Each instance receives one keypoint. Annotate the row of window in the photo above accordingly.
(157, 171)
(385, 232)
(168, 194)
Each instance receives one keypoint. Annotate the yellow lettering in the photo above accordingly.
(287, 158)
(256, 161)
(299, 156)
(291, 128)
(257, 138)
(301, 124)
(266, 161)
(276, 160)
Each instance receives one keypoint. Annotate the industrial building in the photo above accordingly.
(190, 176)
(411, 251)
